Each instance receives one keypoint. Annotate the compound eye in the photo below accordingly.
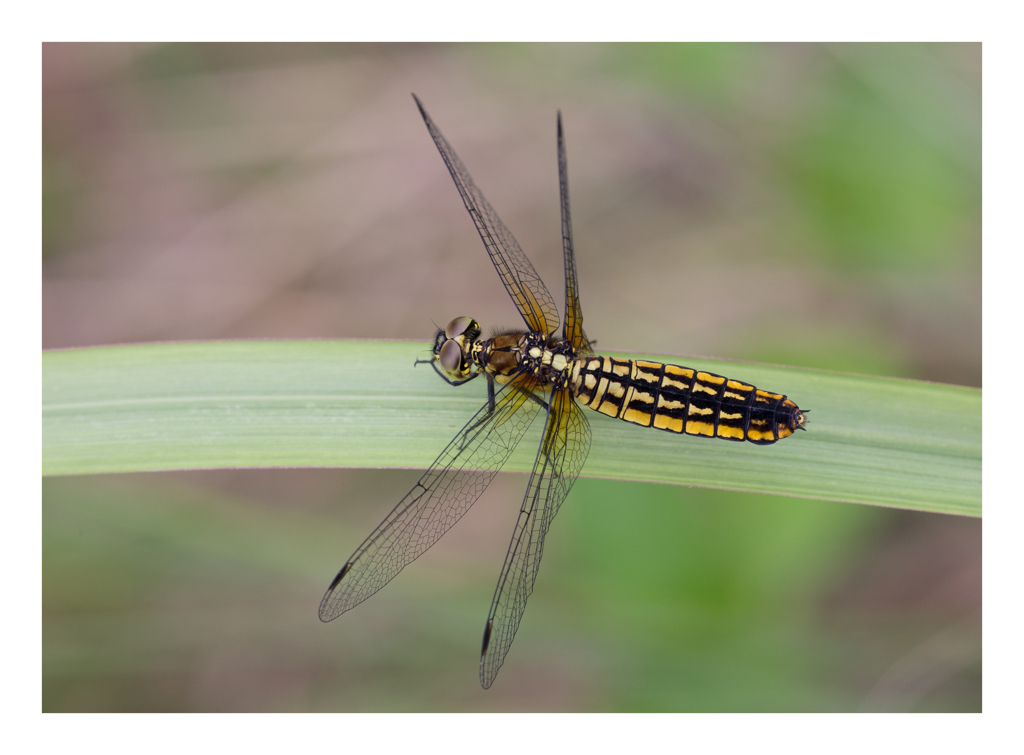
(450, 358)
(458, 326)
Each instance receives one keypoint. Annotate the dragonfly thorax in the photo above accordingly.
(549, 359)
(506, 355)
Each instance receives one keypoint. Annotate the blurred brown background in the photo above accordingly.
(801, 204)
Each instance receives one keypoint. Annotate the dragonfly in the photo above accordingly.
(531, 372)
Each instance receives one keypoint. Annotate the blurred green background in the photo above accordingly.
(801, 204)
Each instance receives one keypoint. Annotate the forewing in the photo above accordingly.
(521, 281)
(573, 332)
(442, 495)
(559, 461)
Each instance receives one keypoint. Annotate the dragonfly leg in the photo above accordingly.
(467, 433)
(534, 398)
(539, 401)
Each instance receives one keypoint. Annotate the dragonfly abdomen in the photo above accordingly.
(682, 400)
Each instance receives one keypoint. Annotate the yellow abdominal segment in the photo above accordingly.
(681, 400)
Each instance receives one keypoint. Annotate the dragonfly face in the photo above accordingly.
(453, 349)
(530, 372)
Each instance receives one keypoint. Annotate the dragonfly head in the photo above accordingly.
(453, 345)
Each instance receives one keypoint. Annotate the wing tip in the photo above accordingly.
(325, 613)
(328, 610)
(487, 675)
(423, 110)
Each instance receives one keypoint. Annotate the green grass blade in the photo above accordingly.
(872, 440)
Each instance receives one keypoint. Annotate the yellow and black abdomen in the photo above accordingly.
(682, 400)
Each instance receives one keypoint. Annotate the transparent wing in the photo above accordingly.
(573, 332)
(443, 494)
(559, 461)
(521, 281)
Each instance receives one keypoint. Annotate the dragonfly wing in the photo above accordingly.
(442, 495)
(521, 281)
(559, 461)
(573, 328)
